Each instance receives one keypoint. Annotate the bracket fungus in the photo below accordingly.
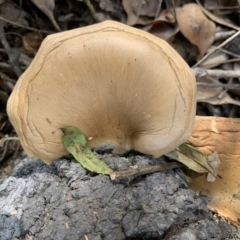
(122, 87)
(221, 135)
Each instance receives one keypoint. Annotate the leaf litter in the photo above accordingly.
(76, 144)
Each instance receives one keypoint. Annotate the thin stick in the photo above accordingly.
(5, 139)
(118, 175)
(5, 66)
(224, 35)
(200, 72)
(139, 8)
(217, 48)
(229, 53)
(213, 85)
(13, 59)
(91, 9)
(158, 9)
(22, 26)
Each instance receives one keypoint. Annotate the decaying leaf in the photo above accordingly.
(76, 143)
(139, 12)
(7, 138)
(192, 158)
(215, 59)
(214, 161)
(236, 67)
(107, 5)
(10, 11)
(221, 4)
(32, 42)
(216, 95)
(195, 26)
(47, 6)
(189, 163)
(162, 27)
(197, 156)
(220, 135)
(217, 19)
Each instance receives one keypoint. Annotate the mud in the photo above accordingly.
(64, 201)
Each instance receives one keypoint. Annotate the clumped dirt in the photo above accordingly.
(63, 201)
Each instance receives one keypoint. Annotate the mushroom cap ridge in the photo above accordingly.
(122, 87)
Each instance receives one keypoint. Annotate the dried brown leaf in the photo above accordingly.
(191, 158)
(189, 163)
(236, 67)
(162, 27)
(215, 59)
(11, 12)
(107, 5)
(214, 161)
(217, 19)
(215, 96)
(139, 12)
(195, 26)
(47, 7)
(32, 42)
(221, 4)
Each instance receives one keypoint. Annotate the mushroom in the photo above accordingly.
(122, 87)
(221, 135)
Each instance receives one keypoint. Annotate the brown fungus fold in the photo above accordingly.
(122, 87)
(220, 135)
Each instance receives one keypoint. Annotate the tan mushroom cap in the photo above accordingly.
(122, 87)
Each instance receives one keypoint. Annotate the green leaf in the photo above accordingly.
(192, 158)
(180, 157)
(76, 143)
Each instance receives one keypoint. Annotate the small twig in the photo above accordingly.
(214, 85)
(229, 53)
(15, 154)
(140, 8)
(158, 9)
(233, 60)
(20, 12)
(217, 48)
(8, 82)
(5, 66)
(6, 138)
(174, 10)
(224, 35)
(13, 59)
(4, 151)
(223, 93)
(200, 72)
(13, 33)
(91, 9)
(118, 175)
(22, 26)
